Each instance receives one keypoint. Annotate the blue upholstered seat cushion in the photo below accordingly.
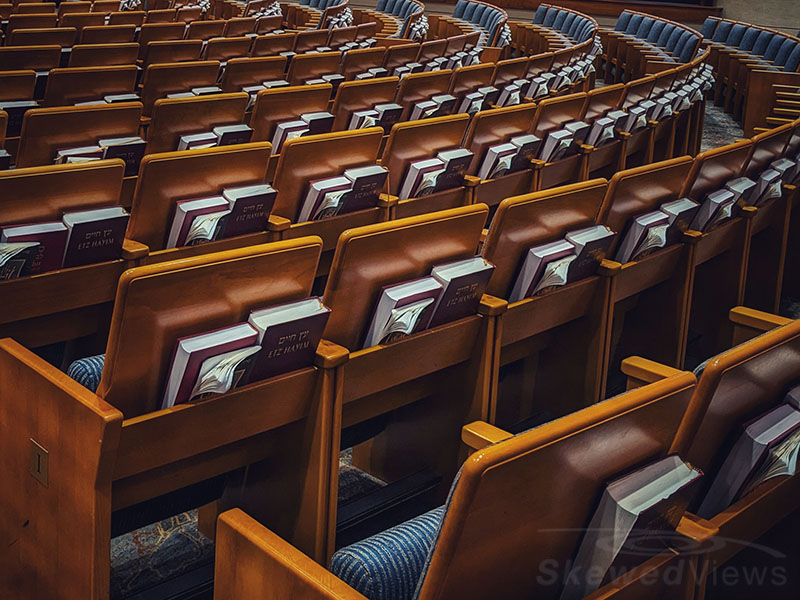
(709, 26)
(623, 20)
(388, 565)
(538, 17)
(87, 371)
(722, 31)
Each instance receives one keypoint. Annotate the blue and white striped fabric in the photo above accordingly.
(87, 371)
(388, 565)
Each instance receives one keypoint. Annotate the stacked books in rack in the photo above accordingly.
(112, 99)
(636, 519)
(407, 69)
(274, 340)
(372, 73)
(445, 171)
(438, 105)
(721, 205)
(383, 115)
(222, 135)
(452, 291)
(767, 447)
(562, 142)
(237, 211)
(333, 78)
(80, 238)
(558, 263)
(357, 189)
(308, 124)
(660, 228)
(514, 155)
(482, 98)
(129, 149)
(206, 90)
(266, 85)
(5, 160)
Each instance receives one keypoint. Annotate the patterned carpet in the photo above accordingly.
(151, 555)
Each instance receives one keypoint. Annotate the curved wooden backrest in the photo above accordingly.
(735, 387)
(767, 147)
(165, 178)
(160, 80)
(305, 159)
(38, 58)
(225, 48)
(46, 130)
(553, 113)
(28, 8)
(187, 14)
(663, 81)
(174, 117)
(414, 140)
(17, 85)
(538, 218)
(361, 95)
(399, 55)
(712, 169)
(161, 15)
(431, 49)
(234, 27)
(341, 35)
(489, 127)
(75, 6)
(103, 55)
(455, 43)
(539, 63)
(31, 22)
(55, 36)
(541, 488)
(359, 60)
(241, 72)
(272, 44)
(154, 32)
(640, 190)
(45, 193)
(158, 304)
(470, 78)
(105, 6)
(267, 24)
(108, 34)
(133, 17)
(310, 39)
(66, 87)
(81, 20)
(171, 51)
(370, 257)
(285, 104)
(205, 30)
(506, 71)
(601, 100)
(421, 86)
(638, 90)
(310, 66)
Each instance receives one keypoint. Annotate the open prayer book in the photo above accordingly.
(16, 259)
(221, 373)
(403, 309)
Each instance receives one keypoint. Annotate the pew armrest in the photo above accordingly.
(696, 528)
(492, 306)
(471, 181)
(480, 434)
(133, 250)
(387, 200)
(253, 562)
(276, 223)
(756, 319)
(641, 371)
(330, 355)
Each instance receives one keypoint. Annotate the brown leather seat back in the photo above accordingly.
(553, 113)
(103, 55)
(286, 104)
(66, 87)
(311, 66)
(361, 95)
(242, 72)
(712, 169)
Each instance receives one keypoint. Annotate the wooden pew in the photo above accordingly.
(54, 36)
(309, 40)
(550, 354)
(416, 140)
(734, 387)
(46, 130)
(609, 158)
(720, 257)
(114, 449)
(421, 86)
(160, 80)
(132, 17)
(569, 459)
(399, 55)
(469, 79)
(241, 72)
(360, 60)
(17, 85)
(154, 32)
(312, 66)
(306, 159)
(506, 71)
(361, 95)
(108, 34)
(81, 20)
(171, 51)
(649, 297)
(235, 27)
(38, 58)
(272, 44)
(223, 49)
(490, 127)
(103, 55)
(17, 21)
(205, 30)
(67, 87)
(68, 303)
(174, 117)
(171, 176)
(551, 114)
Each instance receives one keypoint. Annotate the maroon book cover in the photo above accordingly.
(250, 209)
(94, 241)
(461, 296)
(49, 254)
(185, 383)
(176, 236)
(367, 185)
(289, 346)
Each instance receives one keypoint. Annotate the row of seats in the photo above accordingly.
(539, 489)
(455, 366)
(488, 18)
(641, 43)
(569, 25)
(749, 62)
(407, 13)
(20, 8)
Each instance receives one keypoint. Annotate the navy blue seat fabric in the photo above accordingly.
(572, 30)
(763, 40)
(689, 49)
(793, 61)
(458, 11)
(633, 24)
(666, 33)
(749, 39)
(655, 31)
(785, 50)
(736, 35)
(538, 17)
(622, 21)
(567, 24)
(774, 45)
(559, 21)
(723, 29)
(644, 28)
(550, 17)
(673, 39)
(709, 26)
